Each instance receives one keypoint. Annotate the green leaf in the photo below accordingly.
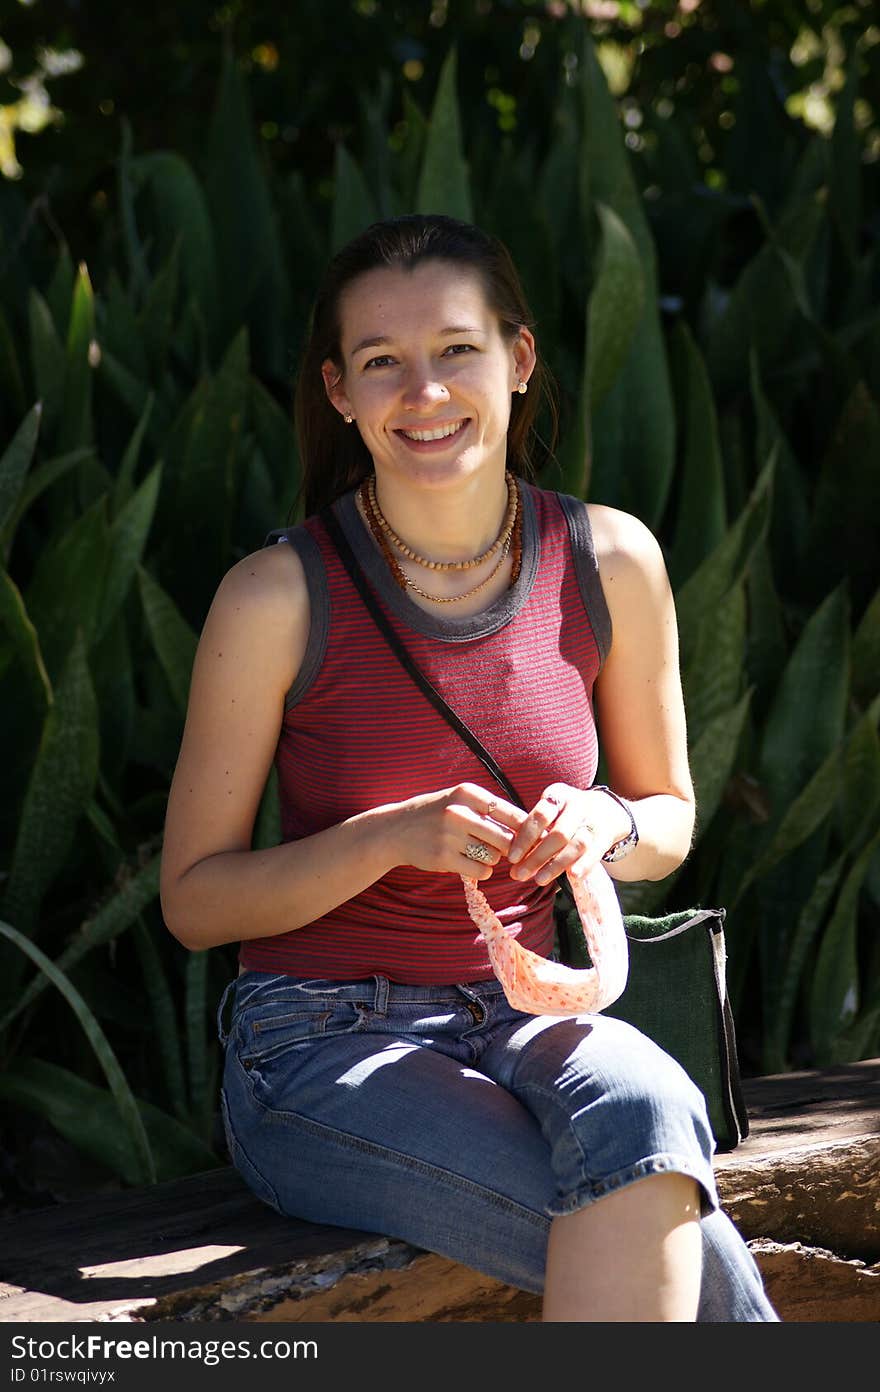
(701, 515)
(48, 362)
(834, 989)
(778, 1027)
(762, 309)
(767, 647)
(866, 653)
(275, 435)
(74, 567)
(87, 1116)
(125, 478)
(790, 523)
(144, 1168)
(173, 639)
(15, 462)
(75, 429)
(25, 642)
(848, 491)
(132, 391)
(37, 481)
(444, 185)
(128, 537)
(715, 674)
(701, 594)
(165, 1024)
(353, 205)
(806, 718)
(156, 320)
(182, 220)
(250, 263)
(860, 803)
(137, 890)
(615, 306)
(127, 188)
(203, 456)
(58, 792)
(712, 757)
(633, 429)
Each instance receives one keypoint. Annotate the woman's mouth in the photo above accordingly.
(433, 435)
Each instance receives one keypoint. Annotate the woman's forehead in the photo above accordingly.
(393, 297)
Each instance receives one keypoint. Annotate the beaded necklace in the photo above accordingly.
(509, 540)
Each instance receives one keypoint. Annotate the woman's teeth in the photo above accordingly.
(442, 432)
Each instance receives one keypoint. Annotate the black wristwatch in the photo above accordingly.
(631, 840)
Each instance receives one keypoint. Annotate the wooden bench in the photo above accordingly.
(803, 1189)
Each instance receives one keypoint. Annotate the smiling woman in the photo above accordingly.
(376, 1074)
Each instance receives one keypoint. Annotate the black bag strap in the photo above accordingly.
(349, 560)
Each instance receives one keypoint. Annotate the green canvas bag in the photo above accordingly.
(676, 993)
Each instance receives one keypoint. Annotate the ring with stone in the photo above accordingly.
(477, 850)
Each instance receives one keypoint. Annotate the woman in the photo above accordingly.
(375, 1075)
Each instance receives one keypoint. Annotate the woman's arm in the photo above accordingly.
(214, 888)
(638, 697)
(640, 716)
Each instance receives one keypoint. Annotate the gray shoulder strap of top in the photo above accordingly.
(587, 570)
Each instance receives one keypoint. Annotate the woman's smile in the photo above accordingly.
(439, 436)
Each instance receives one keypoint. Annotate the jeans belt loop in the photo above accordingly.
(383, 991)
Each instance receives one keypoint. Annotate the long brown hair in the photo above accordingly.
(333, 456)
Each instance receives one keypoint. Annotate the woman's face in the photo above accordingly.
(426, 372)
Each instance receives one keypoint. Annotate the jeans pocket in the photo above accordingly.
(268, 1031)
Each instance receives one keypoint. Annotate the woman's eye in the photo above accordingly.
(455, 349)
(378, 362)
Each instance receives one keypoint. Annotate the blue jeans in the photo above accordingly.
(441, 1116)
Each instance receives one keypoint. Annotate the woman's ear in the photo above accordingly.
(524, 355)
(333, 386)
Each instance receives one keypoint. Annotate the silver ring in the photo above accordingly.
(477, 850)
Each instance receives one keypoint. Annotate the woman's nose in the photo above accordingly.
(423, 388)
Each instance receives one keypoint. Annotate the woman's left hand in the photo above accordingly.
(567, 829)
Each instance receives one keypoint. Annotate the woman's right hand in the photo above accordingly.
(434, 829)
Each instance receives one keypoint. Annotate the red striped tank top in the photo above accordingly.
(357, 733)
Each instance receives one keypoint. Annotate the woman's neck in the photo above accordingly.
(451, 524)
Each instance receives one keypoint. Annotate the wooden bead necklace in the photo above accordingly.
(509, 540)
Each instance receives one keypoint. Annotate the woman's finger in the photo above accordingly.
(560, 848)
(542, 816)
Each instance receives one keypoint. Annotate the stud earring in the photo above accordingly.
(522, 388)
(348, 418)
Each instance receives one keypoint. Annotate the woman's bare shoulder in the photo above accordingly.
(626, 549)
(274, 575)
(261, 610)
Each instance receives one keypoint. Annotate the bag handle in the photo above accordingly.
(349, 560)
